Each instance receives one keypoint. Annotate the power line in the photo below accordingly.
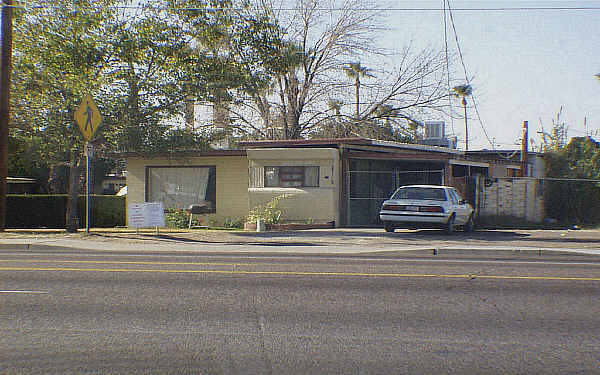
(466, 75)
(448, 67)
(418, 9)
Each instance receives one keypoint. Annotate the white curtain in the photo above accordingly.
(178, 187)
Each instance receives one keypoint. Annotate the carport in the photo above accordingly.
(372, 173)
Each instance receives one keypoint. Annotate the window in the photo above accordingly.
(180, 187)
(420, 193)
(291, 176)
(454, 196)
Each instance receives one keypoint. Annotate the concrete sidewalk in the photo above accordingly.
(352, 241)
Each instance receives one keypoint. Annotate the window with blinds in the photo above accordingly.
(292, 176)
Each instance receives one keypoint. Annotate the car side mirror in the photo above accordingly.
(462, 201)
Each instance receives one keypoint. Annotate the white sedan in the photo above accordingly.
(426, 206)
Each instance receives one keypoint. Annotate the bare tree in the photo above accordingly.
(320, 37)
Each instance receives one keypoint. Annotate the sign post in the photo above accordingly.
(88, 118)
(89, 153)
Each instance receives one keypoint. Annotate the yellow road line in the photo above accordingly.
(299, 273)
(126, 262)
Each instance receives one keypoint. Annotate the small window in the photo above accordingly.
(291, 176)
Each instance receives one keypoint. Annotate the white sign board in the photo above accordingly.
(145, 215)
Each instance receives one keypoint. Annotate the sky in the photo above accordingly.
(523, 64)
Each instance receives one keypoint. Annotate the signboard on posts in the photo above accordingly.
(146, 215)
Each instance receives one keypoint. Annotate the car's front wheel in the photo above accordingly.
(450, 225)
(389, 227)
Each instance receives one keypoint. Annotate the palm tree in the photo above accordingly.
(463, 91)
(387, 112)
(355, 71)
(336, 106)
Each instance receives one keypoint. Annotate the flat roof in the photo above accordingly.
(337, 142)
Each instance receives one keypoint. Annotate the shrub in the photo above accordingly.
(36, 211)
(180, 219)
(236, 223)
(269, 212)
(48, 211)
(107, 211)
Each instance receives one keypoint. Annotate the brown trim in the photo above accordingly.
(336, 142)
(408, 156)
(181, 154)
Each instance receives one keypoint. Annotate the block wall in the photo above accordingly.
(521, 198)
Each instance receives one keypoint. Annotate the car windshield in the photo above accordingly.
(428, 194)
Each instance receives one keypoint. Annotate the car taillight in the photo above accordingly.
(431, 209)
(392, 207)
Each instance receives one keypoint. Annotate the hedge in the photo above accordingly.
(48, 211)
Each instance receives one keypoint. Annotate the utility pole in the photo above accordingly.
(524, 148)
(464, 103)
(5, 71)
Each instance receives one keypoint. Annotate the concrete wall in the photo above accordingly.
(521, 198)
(231, 181)
(321, 204)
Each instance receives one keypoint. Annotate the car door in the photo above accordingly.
(462, 209)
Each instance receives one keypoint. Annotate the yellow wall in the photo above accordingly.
(231, 180)
(321, 204)
(240, 184)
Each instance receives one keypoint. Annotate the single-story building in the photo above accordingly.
(341, 181)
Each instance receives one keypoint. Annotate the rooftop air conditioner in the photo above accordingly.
(435, 130)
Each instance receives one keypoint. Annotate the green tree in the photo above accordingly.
(235, 55)
(573, 199)
(149, 82)
(59, 57)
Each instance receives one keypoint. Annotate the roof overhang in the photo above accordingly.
(182, 154)
(469, 163)
(20, 180)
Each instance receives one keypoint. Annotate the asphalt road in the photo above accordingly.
(89, 313)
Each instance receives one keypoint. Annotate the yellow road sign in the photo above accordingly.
(88, 117)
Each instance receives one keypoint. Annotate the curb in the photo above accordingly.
(442, 253)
